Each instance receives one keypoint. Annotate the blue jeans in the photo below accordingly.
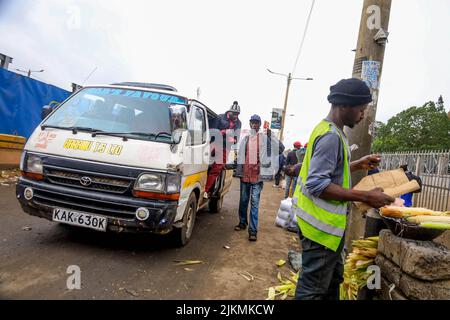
(288, 186)
(250, 192)
(322, 271)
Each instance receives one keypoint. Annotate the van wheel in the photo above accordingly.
(215, 204)
(181, 236)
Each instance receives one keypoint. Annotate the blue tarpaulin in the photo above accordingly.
(21, 102)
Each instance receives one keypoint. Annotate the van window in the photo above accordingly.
(197, 127)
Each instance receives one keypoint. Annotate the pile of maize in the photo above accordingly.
(355, 268)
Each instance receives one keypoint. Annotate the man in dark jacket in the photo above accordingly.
(291, 161)
(224, 122)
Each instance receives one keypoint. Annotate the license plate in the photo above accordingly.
(79, 219)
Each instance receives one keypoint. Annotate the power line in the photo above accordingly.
(304, 36)
(95, 69)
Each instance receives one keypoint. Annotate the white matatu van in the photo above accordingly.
(129, 157)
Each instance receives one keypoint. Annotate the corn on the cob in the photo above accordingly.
(435, 225)
(420, 219)
(404, 212)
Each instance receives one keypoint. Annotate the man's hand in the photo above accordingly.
(374, 198)
(377, 199)
(366, 163)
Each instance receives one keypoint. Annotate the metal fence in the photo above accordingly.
(434, 169)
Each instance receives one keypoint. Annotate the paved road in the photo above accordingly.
(33, 263)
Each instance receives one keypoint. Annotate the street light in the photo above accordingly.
(289, 79)
(29, 71)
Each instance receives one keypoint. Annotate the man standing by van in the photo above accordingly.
(256, 159)
(224, 122)
(323, 192)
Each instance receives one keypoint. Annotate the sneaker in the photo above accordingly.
(240, 227)
(252, 237)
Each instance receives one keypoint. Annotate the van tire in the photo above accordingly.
(215, 205)
(181, 236)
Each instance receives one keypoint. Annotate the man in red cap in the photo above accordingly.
(292, 159)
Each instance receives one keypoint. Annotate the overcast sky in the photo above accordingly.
(224, 47)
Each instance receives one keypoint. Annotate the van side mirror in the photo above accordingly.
(178, 117)
(46, 110)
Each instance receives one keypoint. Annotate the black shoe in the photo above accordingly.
(252, 237)
(240, 227)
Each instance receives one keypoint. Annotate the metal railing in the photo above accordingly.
(433, 167)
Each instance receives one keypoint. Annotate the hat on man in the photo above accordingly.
(235, 107)
(255, 118)
(350, 92)
(297, 144)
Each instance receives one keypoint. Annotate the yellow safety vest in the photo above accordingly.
(321, 221)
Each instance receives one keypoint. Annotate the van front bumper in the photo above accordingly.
(118, 209)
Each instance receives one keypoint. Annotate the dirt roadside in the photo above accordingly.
(35, 254)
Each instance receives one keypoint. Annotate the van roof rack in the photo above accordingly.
(146, 85)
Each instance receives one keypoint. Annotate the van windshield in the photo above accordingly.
(136, 114)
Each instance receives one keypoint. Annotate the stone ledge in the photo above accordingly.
(423, 260)
(411, 287)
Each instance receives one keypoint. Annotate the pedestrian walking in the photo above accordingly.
(257, 160)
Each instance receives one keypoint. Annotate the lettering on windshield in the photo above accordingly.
(137, 94)
(95, 147)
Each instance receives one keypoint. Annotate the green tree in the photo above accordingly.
(417, 128)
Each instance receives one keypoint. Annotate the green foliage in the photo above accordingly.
(417, 128)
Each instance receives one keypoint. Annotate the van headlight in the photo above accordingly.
(34, 164)
(153, 182)
(159, 182)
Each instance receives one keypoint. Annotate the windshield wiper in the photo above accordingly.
(153, 135)
(112, 134)
(45, 126)
(76, 129)
(73, 129)
(163, 134)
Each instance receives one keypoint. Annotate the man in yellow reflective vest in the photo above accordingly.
(321, 198)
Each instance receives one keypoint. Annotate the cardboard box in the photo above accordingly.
(394, 183)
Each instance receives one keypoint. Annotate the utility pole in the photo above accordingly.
(368, 66)
(283, 114)
(29, 71)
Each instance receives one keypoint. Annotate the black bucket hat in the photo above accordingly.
(350, 92)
